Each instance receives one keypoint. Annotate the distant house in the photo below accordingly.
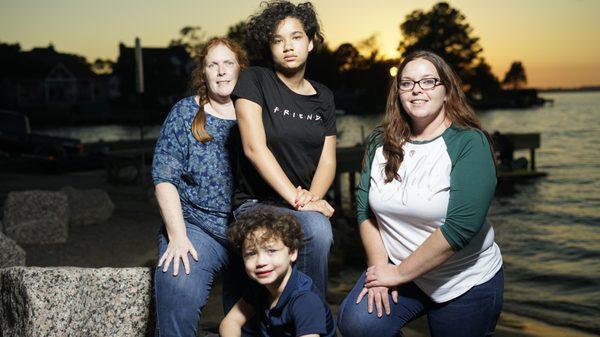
(166, 74)
(45, 79)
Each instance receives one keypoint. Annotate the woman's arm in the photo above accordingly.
(252, 131)
(232, 324)
(433, 252)
(373, 243)
(179, 244)
(325, 172)
(376, 256)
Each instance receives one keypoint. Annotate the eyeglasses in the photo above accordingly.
(425, 84)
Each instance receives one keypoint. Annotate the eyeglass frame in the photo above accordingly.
(438, 82)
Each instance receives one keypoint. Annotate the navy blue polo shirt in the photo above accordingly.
(300, 310)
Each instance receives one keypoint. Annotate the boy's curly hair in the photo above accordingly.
(276, 225)
(261, 27)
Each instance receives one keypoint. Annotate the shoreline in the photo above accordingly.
(132, 231)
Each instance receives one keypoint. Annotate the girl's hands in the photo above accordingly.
(303, 197)
(320, 206)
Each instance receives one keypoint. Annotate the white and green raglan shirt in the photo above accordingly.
(445, 183)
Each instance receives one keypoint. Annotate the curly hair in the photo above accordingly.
(397, 123)
(199, 86)
(276, 225)
(261, 27)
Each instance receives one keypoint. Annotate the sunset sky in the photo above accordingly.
(557, 41)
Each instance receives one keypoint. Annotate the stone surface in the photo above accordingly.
(87, 207)
(69, 301)
(10, 253)
(36, 216)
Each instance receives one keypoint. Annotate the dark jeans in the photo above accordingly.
(180, 299)
(473, 314)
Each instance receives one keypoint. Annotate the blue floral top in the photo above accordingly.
(200, 171)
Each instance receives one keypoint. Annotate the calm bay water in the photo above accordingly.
(548, 229)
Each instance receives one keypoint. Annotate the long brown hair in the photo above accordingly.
(200, 88)
(397, 123)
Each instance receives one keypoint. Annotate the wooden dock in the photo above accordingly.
(349, 161)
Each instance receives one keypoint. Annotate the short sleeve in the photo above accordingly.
(329, 119)
(170, 150)
(309, 314)
(472, 187)
(248, 86)
(363, 210)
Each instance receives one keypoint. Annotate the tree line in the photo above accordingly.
(360, 76)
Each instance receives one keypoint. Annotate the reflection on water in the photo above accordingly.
(106, 133)
(548, 229)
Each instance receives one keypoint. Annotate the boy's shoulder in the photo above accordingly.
(308, 309)
(304, 290)
(302, 283)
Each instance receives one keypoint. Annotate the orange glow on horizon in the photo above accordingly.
(556, 41)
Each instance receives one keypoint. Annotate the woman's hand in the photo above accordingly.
(378, 296)
(178, 249)
(303, 197)
(320, 206)
(384, 275)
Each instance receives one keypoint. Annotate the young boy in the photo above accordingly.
(286, 301)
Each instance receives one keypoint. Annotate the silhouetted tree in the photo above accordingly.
(237, 33)
(347, 57)
(9, 54)
(190, 37)
(483, 82)
(369, 46)
(445, 31)
(102, 67)
(515, 77)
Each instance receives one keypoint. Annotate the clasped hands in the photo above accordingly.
(381, 280)
(307, 201)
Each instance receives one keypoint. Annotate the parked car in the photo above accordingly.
(16, 138)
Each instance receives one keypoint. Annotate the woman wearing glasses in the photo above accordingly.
(426, 185)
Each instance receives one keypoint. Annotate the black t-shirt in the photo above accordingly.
(295, 128)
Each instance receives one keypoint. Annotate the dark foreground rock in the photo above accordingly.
(69, 301)
(87, 207)
(11, 254)
(36, 216)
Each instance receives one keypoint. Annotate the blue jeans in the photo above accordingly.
(318, 239)
(472, 314)
(180, 299)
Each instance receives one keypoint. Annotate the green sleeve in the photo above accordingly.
(472, 186)
(363, 211)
